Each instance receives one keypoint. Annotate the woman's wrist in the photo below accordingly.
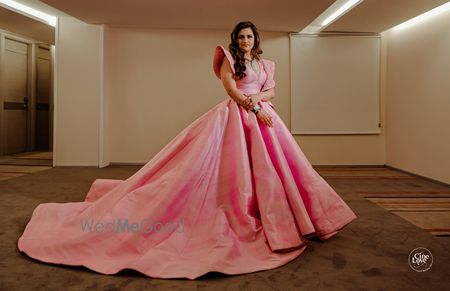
(256, 109)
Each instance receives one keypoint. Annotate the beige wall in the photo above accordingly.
(77, 93)
(156, 82)
(147, 72)
(418, 101)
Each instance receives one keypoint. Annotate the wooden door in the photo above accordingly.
(15, 96)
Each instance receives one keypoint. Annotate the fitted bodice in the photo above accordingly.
(252, 83)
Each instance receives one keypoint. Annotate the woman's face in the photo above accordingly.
(246, 39)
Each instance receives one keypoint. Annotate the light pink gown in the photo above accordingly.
(227, 194)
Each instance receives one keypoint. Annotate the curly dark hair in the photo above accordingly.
(238, 55)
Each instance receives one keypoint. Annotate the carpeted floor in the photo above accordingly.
(370, 254)
(21, 164)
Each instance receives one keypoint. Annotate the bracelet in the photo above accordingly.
(256, 109)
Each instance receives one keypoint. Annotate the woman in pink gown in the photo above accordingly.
(231, 193)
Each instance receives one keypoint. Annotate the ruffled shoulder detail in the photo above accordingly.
(269, 67)
(219, 54)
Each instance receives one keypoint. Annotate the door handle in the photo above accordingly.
(25, 102)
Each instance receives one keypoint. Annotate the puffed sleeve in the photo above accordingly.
(269, 67)
(219, 54)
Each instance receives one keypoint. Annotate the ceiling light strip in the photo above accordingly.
(424, 16)
(28, 11)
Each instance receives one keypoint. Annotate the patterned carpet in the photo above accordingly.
(430, 214)
(16, 165)
(428, 210)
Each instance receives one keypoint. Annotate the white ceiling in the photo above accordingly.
(269, 15)
(24, 26)
(372, 16)
(380, 15)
